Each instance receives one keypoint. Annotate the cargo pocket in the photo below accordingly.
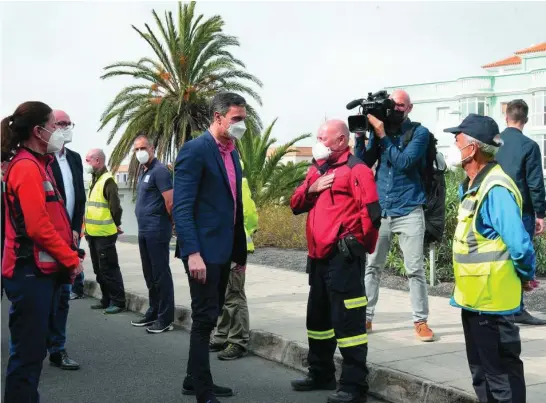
(474, 286)
(345, 277)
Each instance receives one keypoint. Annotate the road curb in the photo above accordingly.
(385, 383)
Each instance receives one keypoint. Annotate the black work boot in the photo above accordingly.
(346, 397)
(312, 383)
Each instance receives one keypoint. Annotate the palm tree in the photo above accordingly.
(268, 179)
(170, 101)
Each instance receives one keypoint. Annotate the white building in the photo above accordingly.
(445, 104)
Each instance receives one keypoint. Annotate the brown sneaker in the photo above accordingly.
(423, 332)
(368, 326)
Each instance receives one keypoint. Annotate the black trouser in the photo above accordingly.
(336, 315)
(106, 267)
(154, 254)
(493, 348)
(205, 307)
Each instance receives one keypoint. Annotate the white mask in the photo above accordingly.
(321, 152)
(55, 142)
(142, 156)
(67, 133)
(89, 169)
(236, 130)
(454, 158)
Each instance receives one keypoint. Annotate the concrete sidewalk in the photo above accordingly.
(402, 369)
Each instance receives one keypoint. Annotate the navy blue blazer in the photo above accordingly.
(203, 204)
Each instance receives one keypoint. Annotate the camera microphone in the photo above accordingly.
(355, 103)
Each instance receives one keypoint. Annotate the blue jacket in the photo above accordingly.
(499, 215)
(398, 176)
(521, 159)
(203, 204)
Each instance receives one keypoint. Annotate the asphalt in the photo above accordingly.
(120, 363)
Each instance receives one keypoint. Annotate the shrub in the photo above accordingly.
(279, 227)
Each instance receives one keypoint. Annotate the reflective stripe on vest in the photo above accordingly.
(485, 276)
(98, 219)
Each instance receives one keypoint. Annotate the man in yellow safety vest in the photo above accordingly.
(493, 258)
(102, 226)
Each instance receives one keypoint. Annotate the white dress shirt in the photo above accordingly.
(68, 182)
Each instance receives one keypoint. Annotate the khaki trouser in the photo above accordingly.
(233, 324)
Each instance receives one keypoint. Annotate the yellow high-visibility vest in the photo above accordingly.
(98, 219)
(250, 214)
(485, 276)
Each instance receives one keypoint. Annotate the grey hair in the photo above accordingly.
(487, 150)
(143, 137)
(223, 101)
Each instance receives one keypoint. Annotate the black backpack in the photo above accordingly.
(434, 183)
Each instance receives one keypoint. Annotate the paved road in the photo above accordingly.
(121, 364)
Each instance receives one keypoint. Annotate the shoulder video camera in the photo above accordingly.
(377, 104)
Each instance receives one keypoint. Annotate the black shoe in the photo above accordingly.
(159, 328)
(346, 397)
(310, 383)
(215, 347)
(142, 322)
(525, 318)
(113, 310)
(63, 361)
(98, 306)
(232, 352)
(219, 391)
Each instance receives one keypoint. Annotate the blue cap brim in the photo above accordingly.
(454, 130)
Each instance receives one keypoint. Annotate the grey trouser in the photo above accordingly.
(233, 324)
(411, 232)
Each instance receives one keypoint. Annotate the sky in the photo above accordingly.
(312, 57)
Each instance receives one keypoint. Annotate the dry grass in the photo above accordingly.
(280, 228)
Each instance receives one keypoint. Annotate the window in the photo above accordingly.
(504, 105)
(538, 109)
(473, 105)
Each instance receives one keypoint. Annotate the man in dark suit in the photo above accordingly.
(521, 159)
(208, 215)
(68, 172)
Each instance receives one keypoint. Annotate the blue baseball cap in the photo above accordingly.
(482, 128)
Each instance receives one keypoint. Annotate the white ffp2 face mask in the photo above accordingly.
(89, 169)
(55, 142)
(142, 156)
(237, 130)
(321, 152)
(454, 156)
(67, 133)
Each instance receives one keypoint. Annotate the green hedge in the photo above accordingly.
(280, 228)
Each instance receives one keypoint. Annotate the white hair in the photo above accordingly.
(487, 150)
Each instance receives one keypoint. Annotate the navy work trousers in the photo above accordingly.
(154, 254)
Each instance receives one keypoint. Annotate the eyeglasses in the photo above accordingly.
(65, 125)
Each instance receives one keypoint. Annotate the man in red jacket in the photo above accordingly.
(340, 195)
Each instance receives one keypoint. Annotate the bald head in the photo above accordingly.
(334, 134)
(334, 128)
(403, 102)
(96, 159)
(61, 116)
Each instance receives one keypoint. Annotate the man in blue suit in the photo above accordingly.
(208, 215)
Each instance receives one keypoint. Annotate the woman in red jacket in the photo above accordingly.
(39, 252)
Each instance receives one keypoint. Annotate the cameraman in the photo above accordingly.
(402, 199)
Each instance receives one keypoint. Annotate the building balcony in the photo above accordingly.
(448, 89)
